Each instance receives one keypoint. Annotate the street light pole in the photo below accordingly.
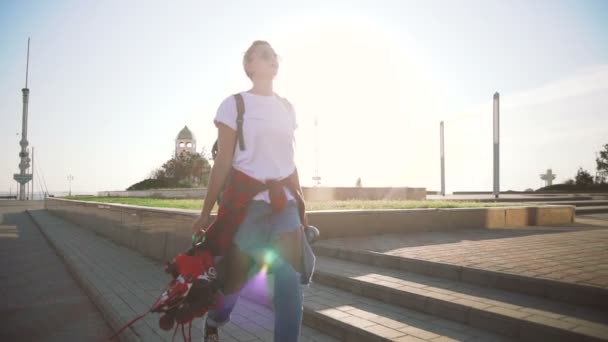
(70, 179)
(316, 178)
(442, 159)
(496, 144)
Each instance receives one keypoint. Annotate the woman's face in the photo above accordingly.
(263, 62)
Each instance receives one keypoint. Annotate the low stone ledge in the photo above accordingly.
(311, 193)
(162, 233)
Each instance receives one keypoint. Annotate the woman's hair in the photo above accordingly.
(247, 56)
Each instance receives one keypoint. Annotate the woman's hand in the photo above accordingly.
(201, 224)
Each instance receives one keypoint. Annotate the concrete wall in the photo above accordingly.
(368, 222)
(163, 233)
(311, 194)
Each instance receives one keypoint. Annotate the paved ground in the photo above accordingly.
(570, 254)
(39, 299)
(127, 284)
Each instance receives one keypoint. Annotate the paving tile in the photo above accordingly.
(420, 333)
(383, 331)
(409, 338)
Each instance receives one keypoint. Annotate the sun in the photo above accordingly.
(369, 90)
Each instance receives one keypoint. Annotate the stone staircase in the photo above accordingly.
(366, 296)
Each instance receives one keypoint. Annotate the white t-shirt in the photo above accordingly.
(269, 124)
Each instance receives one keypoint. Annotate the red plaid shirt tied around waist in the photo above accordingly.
(239, 192)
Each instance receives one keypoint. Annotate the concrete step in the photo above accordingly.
(350, 317)
(588, 203)
(517, 316)
(576, 294)
(591, 210)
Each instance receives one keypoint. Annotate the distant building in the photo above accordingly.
(185, 141)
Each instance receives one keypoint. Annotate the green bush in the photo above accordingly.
(163, 183)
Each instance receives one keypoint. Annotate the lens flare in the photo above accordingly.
(269, 258)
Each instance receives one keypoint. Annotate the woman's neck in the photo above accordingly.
(262, 87)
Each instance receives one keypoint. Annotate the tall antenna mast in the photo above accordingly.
(23, 177)
(27, 63)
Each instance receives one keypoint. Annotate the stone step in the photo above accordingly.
(591, 210)
(515, 315)
(350, 317)
(588, 203)
(576, 294)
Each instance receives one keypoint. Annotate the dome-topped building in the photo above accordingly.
(185, 142)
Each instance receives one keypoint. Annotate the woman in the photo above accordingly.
(269, 217)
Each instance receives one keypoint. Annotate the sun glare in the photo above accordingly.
(372, 94)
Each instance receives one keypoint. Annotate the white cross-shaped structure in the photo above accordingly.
(548, 177)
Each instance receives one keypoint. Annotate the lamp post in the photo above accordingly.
(70, 179)
(316, 178)
(442, 151)
(496, 144)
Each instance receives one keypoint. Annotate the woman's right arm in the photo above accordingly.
(219, 172)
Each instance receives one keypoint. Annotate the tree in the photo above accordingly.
(185, 170)
(583, 177)
(359, 184)
(569, 181)
(602, 166)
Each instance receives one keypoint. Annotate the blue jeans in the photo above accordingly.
(255, 236)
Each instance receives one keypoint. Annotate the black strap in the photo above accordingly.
(286, 103)
(240, 110)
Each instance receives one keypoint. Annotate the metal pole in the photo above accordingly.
(496, 145)
(70, 178)
(316, 178)
(442, 159)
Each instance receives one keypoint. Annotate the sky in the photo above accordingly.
(113, 82)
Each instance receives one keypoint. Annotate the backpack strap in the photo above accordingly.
(286, 103)
(240, 111)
